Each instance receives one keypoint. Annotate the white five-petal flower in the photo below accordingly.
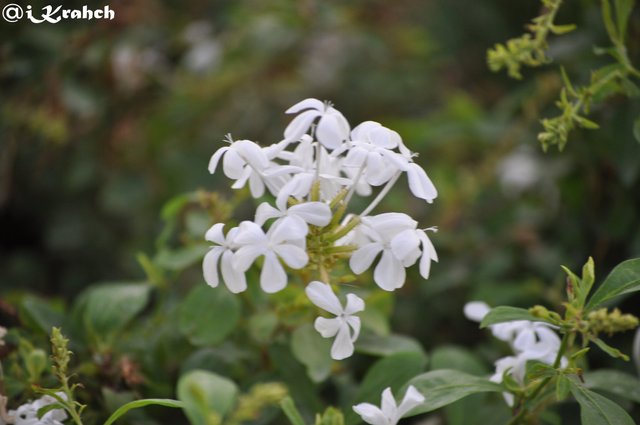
(389, 413)
(279, 242)
(296, 218)
(332, 127)
(345, 326)
(222, 253)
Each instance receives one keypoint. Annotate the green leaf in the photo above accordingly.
(206, 396)
(614, 382)
(613, 352)
(636, 129)
(142, 403)
(110, 307)
(291, 411)
(598, 410)
(623, 279)
(393, 371)
(262, 325)
(313, 351)
(563, 387)
(458, 358)
(608, 21)
(377, 345)
(208, 315)
(40, 314)
(445, 386)
(506, 314)
(181, 258)
(623, 10)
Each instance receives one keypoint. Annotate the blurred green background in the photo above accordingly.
(103, 122)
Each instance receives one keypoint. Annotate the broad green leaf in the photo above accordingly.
(506, 314)
(110, 307)
(377, 345)
(208, 315)
(614, 382)
(563, 387)
(291, 411)
(393, 371)
(262, 325)
(598, 410)
(206, 396)
(142, 403)
(313, 351)
(458, 358)
(445, 386)
(181, 258)
(623, 279)
(40, 314)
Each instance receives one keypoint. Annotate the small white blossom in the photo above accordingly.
(345, 326)
(3, 333)
(332, 127)
(27, 414)
(297, 217)
(279, 242)
(396, 237)
(389, 413)
(223, 254)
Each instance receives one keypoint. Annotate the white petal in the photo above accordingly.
(249, 233)
(388, 404)
(327, 327)
(384, 137)
(299, 125)
(322, 295)
(389, 273)
(273, 278)
(210, 266)
(476, 310)
(256, 185)
(370, 414)
(412, 399)
(265, 212)
(294, 257)
(355, 324)
(287, 229)
(245, 256)
(420, 184)
(361, 131)
(233, 164)
(214, 234)
(316, 213)
(404, 244)
(378, 173)
(252, 153)
(309, 103)
(213, 162)
(428, 254)
(363, 257)
(343, 345)
(329, 132)
(355, 304)
(299, 186)
(233, 278)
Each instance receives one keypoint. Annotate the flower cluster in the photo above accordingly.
(27, 414)
(529, 341)
(313, 174)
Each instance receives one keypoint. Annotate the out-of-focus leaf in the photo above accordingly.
(313, 351)
(208, 315)
(289, 408)
(598, 410)
(262, 325)
(378, 345)
(457, 358)
(142, 403)
(614, 382)
(206, 395)
(181, 258)
(40, 314)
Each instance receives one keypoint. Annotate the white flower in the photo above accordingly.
(223, 254)
(332, 128)
(27, 414)
(296, 217)
(245, 161)
(396, 237)
(389, 413)
(278, 242)
(345, 326)
(3, 332)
